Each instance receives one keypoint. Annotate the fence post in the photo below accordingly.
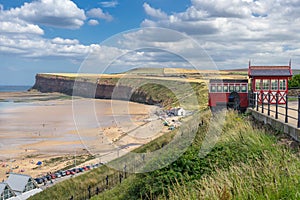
(256, 99)
(262, 102)
(276, 112)
(298, 125)
(286, 109)
(269, 102)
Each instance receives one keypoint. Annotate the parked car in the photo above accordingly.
(48, 177)
(81, 169)
(39, 180)
(89, 167)
(95, 165)
(63, 173)
(53, 176)
(58, 175)
(68, 172)
(76, 170)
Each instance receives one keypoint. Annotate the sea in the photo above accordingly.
(14, 88)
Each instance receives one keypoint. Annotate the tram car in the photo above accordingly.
(269, 84)
(228, 93)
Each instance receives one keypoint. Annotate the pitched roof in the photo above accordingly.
(17, 182)
(3, 186)
(269, 71)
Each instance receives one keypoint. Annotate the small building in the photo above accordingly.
(271, 80)
(22, 185)
(178, 112)
(6, 192)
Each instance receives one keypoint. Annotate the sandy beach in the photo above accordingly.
(41, 127)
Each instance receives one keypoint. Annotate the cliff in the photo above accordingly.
(106, 88)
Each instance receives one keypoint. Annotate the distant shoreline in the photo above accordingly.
(14, 88)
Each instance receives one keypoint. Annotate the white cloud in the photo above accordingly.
(98, 13)
(109, 4)
(19, 27)
(235, 31)
(21, 34)
(93, 22)
(221, 8)
(155, 13)
(55, 13)
(59, 40)
(38, 47)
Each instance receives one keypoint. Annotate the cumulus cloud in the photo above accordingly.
(109, 4)
(93, 22)
(21, 34)
(38, 47)
(98, 13)
(221, 8)
(233, 32)
(55, 13)
(155, 13)
(19, 27)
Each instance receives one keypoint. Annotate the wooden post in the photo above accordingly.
(298, 125)
(286, 109)
(256, 99)
(276, 112)
(269, 102)
(262, 102)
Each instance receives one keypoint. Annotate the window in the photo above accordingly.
(257, 84)
(282, 84)
(219, 88)
(213, 88)
(244, 88)
(274, 84)
(225, 88)
(266, 84)
(231, 88)
(237, 88)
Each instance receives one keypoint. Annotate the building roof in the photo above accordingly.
(283, 71)
(228, 81)
(17, 182)
(3, 186)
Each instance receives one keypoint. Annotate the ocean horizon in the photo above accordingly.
(14, 88)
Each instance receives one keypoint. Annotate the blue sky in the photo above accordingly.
(57, 35)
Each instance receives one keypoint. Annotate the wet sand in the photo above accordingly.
(37, 128)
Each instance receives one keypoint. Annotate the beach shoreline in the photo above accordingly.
(42, 128)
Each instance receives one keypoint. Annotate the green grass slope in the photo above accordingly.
(245, 163)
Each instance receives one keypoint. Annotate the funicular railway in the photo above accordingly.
(265, 85)
(264, 94)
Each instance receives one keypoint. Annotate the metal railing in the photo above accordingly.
(280, 110)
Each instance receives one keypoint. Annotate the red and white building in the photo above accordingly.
(270, 80)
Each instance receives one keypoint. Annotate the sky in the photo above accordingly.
(44, 36)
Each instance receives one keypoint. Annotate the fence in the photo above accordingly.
(288, 112)
(136, 163)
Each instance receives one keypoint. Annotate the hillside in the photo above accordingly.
(247, 162)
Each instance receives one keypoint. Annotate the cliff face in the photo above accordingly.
(84, 88)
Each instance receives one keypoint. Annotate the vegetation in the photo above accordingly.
(295, 81)
(245, 163)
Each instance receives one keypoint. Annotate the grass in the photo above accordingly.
(237, 167)
(245, 163)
